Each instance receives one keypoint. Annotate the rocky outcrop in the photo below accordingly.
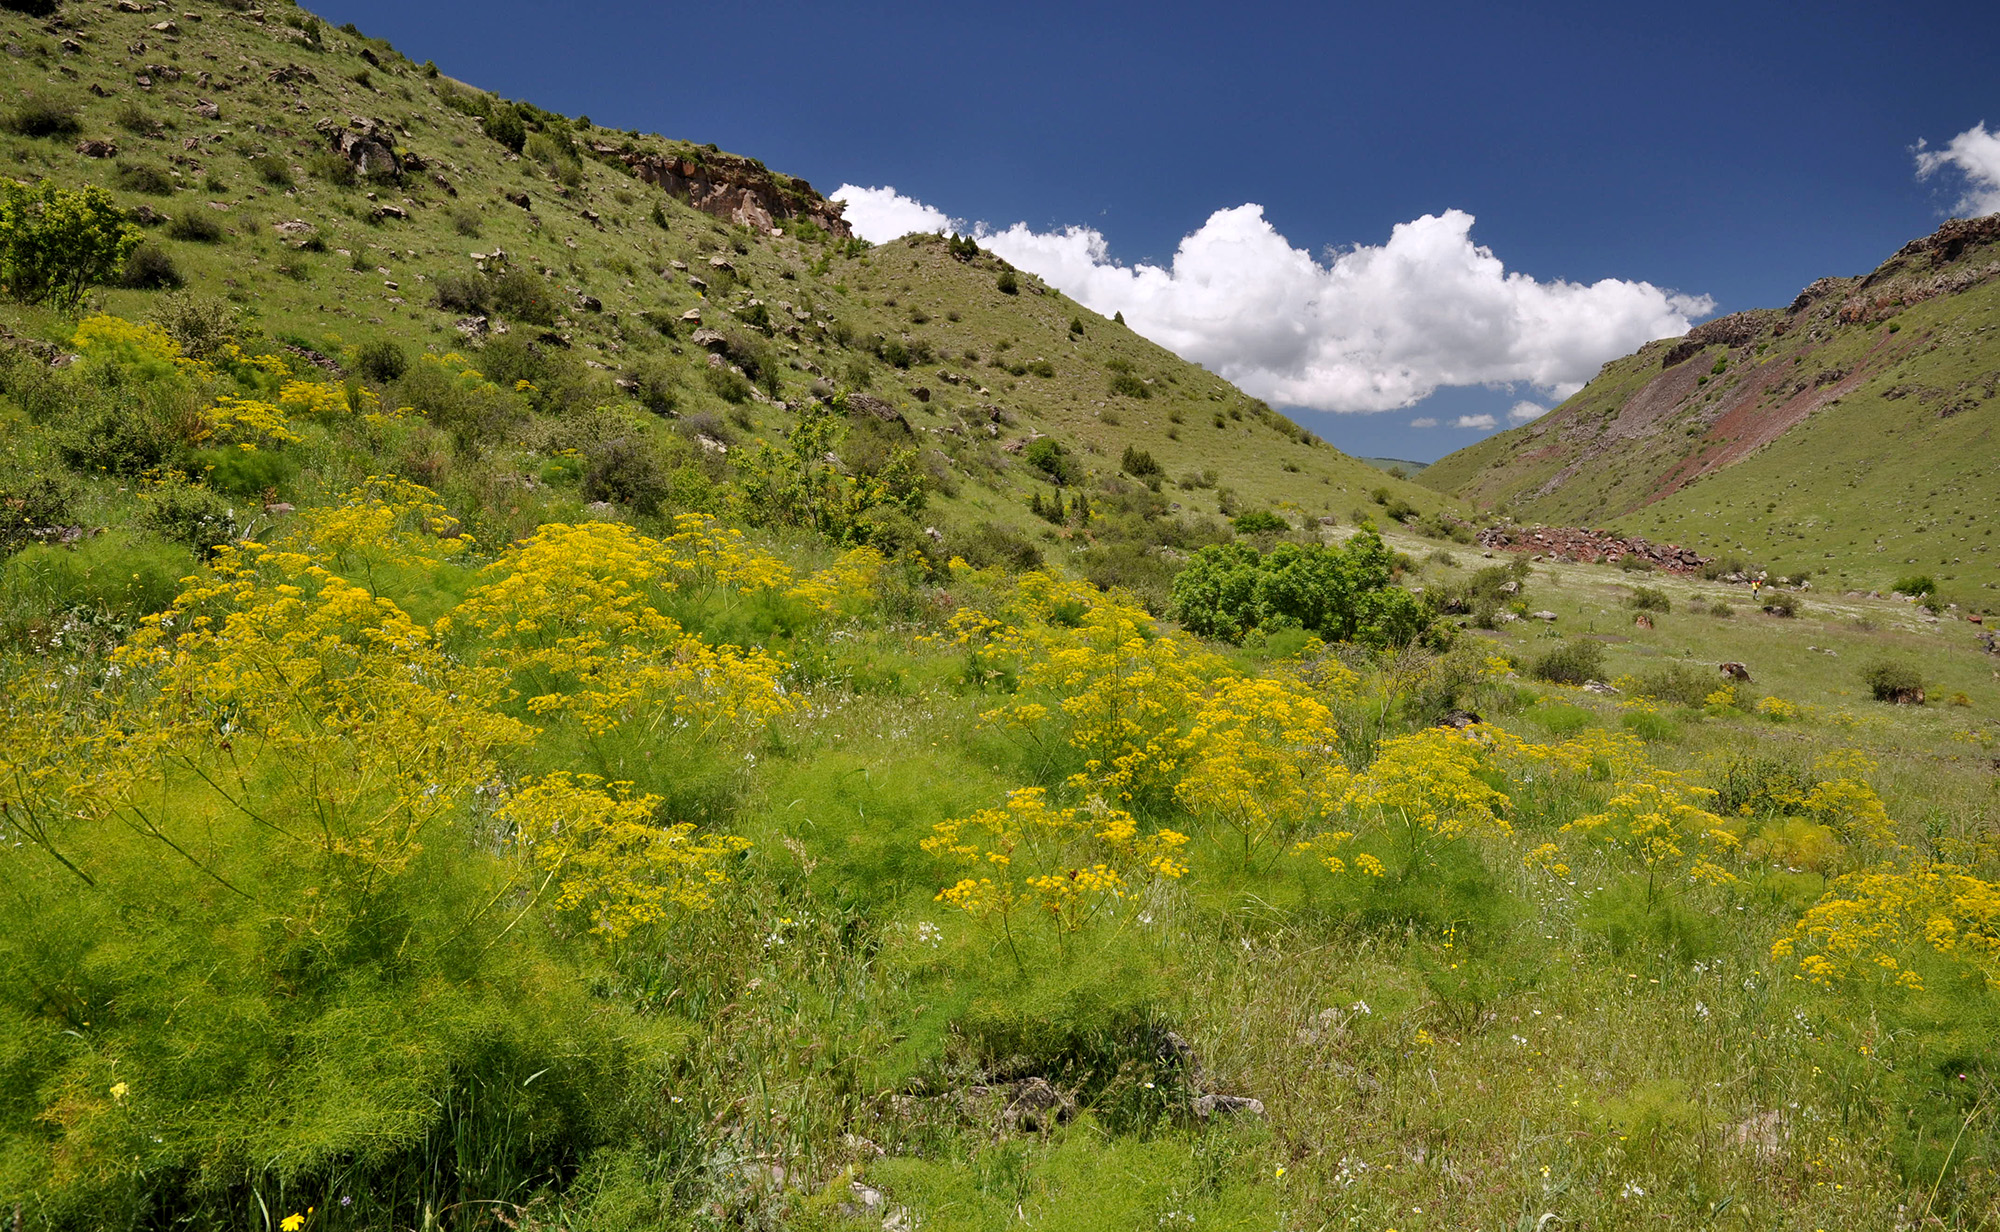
(370, 145)
(1576, 543)
(741, 190)
(1733, 330)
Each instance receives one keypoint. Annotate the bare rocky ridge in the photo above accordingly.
(739, 189)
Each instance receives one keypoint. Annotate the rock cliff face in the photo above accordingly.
(741, 190)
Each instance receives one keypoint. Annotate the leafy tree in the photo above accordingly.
(1343, 594)
(56, 243)
(504, 126)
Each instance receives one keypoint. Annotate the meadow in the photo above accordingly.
(367, 870)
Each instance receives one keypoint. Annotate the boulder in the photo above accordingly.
(1735, 671)
(1460, 719)
(1208, 1107)
(520, 199)
(97, 147)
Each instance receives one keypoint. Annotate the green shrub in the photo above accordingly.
(273, 170)
(150, 269)
(656, 386)
(381, 361)
(523, 297)
(1007, 283)
(989, 544)
(1652, 727)
(1650, 599)
(1138, 463)
(467, 293)
(330, 166)
(1916, 585)
(1056, 463)
(1632, 562)
(44, 503)
(1128, 385)
(143, 178)
(37, 115)
(1676, 682)
(200, 324)
(503, 124)
(1573, 662)
(56, 243)
(1342, 593)
(247, 474)
(470, 412)
(191, 514)
(627, 471)
(1782, 603)
(1260, 522)
(1721, 608)
(1891, 681)
(195, 228)
(727, 384)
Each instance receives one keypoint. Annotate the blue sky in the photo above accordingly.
(1734, 152)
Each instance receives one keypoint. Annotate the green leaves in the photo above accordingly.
(56, 243)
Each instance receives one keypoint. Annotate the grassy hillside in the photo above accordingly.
(626, 772)
(1852, 435)
(224, 132)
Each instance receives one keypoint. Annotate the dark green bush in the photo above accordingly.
(246, 474)
(727, 384)
(1632, 562)
(1573, 662)
(1343, 593)
(1056, 463)
(1676, 682)
(143, 178)
(627, 471)
(1650, 599)
(273, 170)
(381, 361)
(989, 544)
(191, 514)
(503, 124)
(1138, 463)
(150, 269)
(27, 512)
(1782, 603)
(199, 323)
(330, 166)
(195, 228)
(1891, 681)
(1916, 584)
(467, 293)
(1125, 384)
(523, 297)
(1260, 522)
(37, 115)
(1007, 283)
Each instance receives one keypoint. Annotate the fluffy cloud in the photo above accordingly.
(882, 214)
(1522, 412)
(1974, 153)
(1424, 421)
(1482, 422)
(1370, 328)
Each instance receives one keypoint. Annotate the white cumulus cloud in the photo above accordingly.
(1975, 154)
(1483, 422)
(1370, 328)
(1522, 412)
(1424, 421)
(879, 215)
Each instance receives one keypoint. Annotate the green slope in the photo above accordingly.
(1852, 434)
(224, 123)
